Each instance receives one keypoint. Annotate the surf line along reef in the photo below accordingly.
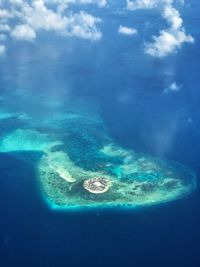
(82, 167)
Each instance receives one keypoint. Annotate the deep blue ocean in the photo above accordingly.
(127, 88)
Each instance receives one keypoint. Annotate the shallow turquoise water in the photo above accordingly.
(77, 149)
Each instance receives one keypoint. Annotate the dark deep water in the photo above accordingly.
(31, 235)
(111, 76)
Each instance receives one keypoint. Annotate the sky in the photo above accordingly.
(24, 20)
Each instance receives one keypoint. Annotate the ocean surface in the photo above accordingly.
(128, 89)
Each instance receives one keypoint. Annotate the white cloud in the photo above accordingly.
(39, 17)
(126, 30)
(141, 4)
(167, 42)
(4, 28)
(2, 50)
(172, 16)
(67, 3)
(17, 2)
(149, 4)
(100, 3)
(170, 39)
(23, 32)
(4, 14)
(83, 25)
(35, 16)
(2, 37)
(174, 87)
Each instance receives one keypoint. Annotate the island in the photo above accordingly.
(80, 166)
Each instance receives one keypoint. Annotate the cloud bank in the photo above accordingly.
(23, 20)
(31, 17)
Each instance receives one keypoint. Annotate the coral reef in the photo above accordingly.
(81, 166)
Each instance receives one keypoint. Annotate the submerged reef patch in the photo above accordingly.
(82, 167)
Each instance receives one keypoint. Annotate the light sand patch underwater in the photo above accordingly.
(82, 167)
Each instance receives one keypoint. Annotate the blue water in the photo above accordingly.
(126, 88)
